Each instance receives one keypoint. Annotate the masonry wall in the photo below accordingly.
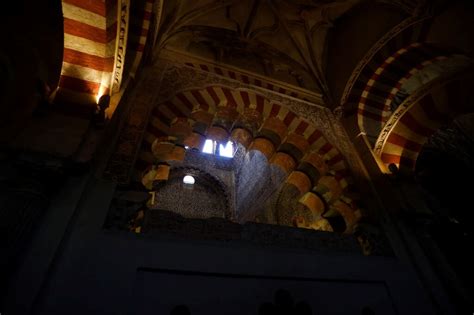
(92, 271)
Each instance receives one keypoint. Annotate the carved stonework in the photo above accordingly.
(168, 223)
(140, 103)
(176, 78)
(212, 194)
(121, 44)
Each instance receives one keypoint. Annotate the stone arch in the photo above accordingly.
(292, 148)
(88, 58)
(257, 115)
(411, 30)
(398, 76)
(420, 115)
(390, 81)
(95, 46)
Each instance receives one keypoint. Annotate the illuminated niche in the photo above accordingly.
(218, 149)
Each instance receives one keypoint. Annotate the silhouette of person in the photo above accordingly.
(100, 115)
(283, 302)
(266, 309)
(303, 308)
(284, 305)
(367, 311)
(180, 310)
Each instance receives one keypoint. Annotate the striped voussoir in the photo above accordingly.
(141, 14)
(375, 103)
(90, 29)
(400, 38)
(289, 142)
(235, 75)
(413, 128)
(211, 98)
(90, 35)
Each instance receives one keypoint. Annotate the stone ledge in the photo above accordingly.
(165, 223)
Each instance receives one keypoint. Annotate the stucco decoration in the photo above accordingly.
(183, 84)
(178, 77)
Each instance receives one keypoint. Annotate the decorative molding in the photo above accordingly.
(160, 222)
(179, 78)
(240, 75)
(409, 22)
(121, 44)
(409, 102)
(140, 104)
(175, 78)
(399, 112)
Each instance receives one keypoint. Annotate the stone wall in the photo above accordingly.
(206, 198)
(174, 226)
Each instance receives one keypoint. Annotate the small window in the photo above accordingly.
(219, 149)
(189, 180)
(227, 150)
(209, 147)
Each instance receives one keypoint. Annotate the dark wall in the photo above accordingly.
(92, 271)
(30, 56)
(351, 38)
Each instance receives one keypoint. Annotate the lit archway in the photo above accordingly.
(289, 145)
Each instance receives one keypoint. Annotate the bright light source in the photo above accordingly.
(227, 150)
(186, 147)
(188, 179)
(208, 146)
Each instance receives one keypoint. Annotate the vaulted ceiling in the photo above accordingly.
(331, 48)
(287, 40)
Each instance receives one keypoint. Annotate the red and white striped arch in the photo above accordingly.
(141, 16)
(395, 62)
(374, 108)
(412, 30)
(213, 97)
(90, 31)
(91, 52)
(415, 121)
(246, 78)
(398, 136)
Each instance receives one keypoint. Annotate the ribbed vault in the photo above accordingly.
(286, 40)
